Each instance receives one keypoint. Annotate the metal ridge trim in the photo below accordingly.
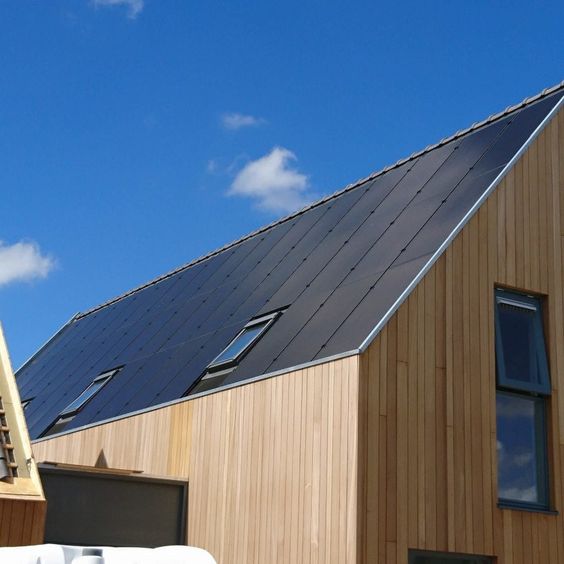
(527, 101)
(403, 296)
(297, 367)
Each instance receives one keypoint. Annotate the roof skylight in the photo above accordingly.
(243, 341)
(68, 414)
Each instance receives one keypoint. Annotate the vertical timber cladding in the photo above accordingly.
(428, 450)
(22, 522)
(272, 465)
(156, 442)
(276, 480)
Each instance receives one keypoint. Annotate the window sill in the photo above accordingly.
(529, 509)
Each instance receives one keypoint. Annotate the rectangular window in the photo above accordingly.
(520, 348)
(227, 360)
(425, 557)
(242, 342)
(75, 406)
(70, 411)
(523, 388)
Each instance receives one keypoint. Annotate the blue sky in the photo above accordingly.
(136, 135)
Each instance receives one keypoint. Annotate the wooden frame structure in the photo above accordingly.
(22, 504)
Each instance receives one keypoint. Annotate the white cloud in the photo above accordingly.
(23, 261)
(134, 7)
(212, 166)
(273, 183)
(237, 121)
(520, 494)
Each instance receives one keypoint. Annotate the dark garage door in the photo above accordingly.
(95, 508)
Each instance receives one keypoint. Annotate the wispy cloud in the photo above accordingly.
(134, 7)
(23, 261)
(273, 183)
(236, 121)
(212, 166)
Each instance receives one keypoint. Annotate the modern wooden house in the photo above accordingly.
(22, 504)
(378, 378)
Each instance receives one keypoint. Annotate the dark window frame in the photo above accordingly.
(73, 408)
(535, 392)
(217, 370)
(219, 365)
(541, 460)
(529, 303)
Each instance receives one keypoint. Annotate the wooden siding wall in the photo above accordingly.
(22, 522)
(156, 442)
(428, 428)
(272, 466)
(277, 481)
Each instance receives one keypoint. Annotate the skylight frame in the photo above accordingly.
(75, 406)
(217, 365)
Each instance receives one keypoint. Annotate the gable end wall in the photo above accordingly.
(428, 431)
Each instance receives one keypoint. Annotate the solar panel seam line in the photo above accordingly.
(442, 203)
(266, 376)
(298, 266)
(384, 232)
(372, 335)
(141, 331)
(49, 341)
(281, 351)
(372, 176)
(262, 258)
(69, 365)
(280, 261)
(54, 362)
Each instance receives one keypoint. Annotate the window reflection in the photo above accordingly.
(520, 420)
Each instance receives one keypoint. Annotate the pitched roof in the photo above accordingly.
(340, 267)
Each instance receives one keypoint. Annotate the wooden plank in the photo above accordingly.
(412, 402)
(374, 453)
(391, 430)
(429, 412)
(402, 460)
(449, 402)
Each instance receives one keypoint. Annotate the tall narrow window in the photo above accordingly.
(70, 411)
(523, 388)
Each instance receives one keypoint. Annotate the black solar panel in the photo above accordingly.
(337, 267)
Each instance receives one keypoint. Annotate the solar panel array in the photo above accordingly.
(337, 267)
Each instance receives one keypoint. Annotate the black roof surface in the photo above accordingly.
(337, 266)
